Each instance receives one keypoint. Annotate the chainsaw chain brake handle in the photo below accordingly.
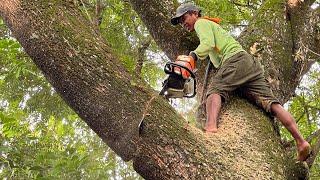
(169, 69)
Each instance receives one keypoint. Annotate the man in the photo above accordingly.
(236, 70)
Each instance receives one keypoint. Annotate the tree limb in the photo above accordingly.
(315, 147)
(314, 22)
(305, 107)
(313, 135)
(156, 16)
(300, 117)
(248, 5)
(303, 22)
(314, 107)
(309, 2)
(98, 12)
(141, 54)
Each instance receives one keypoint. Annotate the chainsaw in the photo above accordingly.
(176, 86)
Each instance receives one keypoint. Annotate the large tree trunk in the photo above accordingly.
(82, 69)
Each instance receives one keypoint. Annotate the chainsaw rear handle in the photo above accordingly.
(169, 69)
(194, 90)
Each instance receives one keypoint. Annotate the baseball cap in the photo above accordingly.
(181, 10)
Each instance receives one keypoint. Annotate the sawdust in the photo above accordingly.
(238, 146)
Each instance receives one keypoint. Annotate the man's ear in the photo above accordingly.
(197, 13)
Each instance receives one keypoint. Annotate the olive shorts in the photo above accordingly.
(241, 72)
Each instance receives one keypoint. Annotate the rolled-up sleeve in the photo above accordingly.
(206, 37)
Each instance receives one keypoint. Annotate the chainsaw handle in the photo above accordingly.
(194, 90)
(169, 69)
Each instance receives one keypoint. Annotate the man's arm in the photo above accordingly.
(206, 37)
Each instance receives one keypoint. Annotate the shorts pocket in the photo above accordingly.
(229, 74)
(238, 72)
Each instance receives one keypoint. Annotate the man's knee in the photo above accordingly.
(214, 97)
(276, 108)
(283, 115)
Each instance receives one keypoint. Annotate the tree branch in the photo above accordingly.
(156, 15)
(309, 2)
(303, 21)
(315, 147)
(300, 117)
(305, 107)
(314, 107)
(141, 54)
(313, 135)
(248, 5)
(314, 22)
(98, 12)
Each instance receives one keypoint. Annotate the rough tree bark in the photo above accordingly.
(80, 66)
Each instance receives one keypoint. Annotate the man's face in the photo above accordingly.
(188, 20)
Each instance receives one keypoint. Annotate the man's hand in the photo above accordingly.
(186, 61)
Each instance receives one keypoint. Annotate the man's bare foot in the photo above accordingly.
(294, 3)
(210, 130)
(303, 151)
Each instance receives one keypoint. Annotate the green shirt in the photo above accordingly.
(215, 42)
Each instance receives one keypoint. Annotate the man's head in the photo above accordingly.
(186, 14)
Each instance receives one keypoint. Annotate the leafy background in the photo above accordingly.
(42, 138)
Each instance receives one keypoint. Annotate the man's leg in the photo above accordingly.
(287, 120)
(213, 107)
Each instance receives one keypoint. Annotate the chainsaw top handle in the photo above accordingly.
(169, 69)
